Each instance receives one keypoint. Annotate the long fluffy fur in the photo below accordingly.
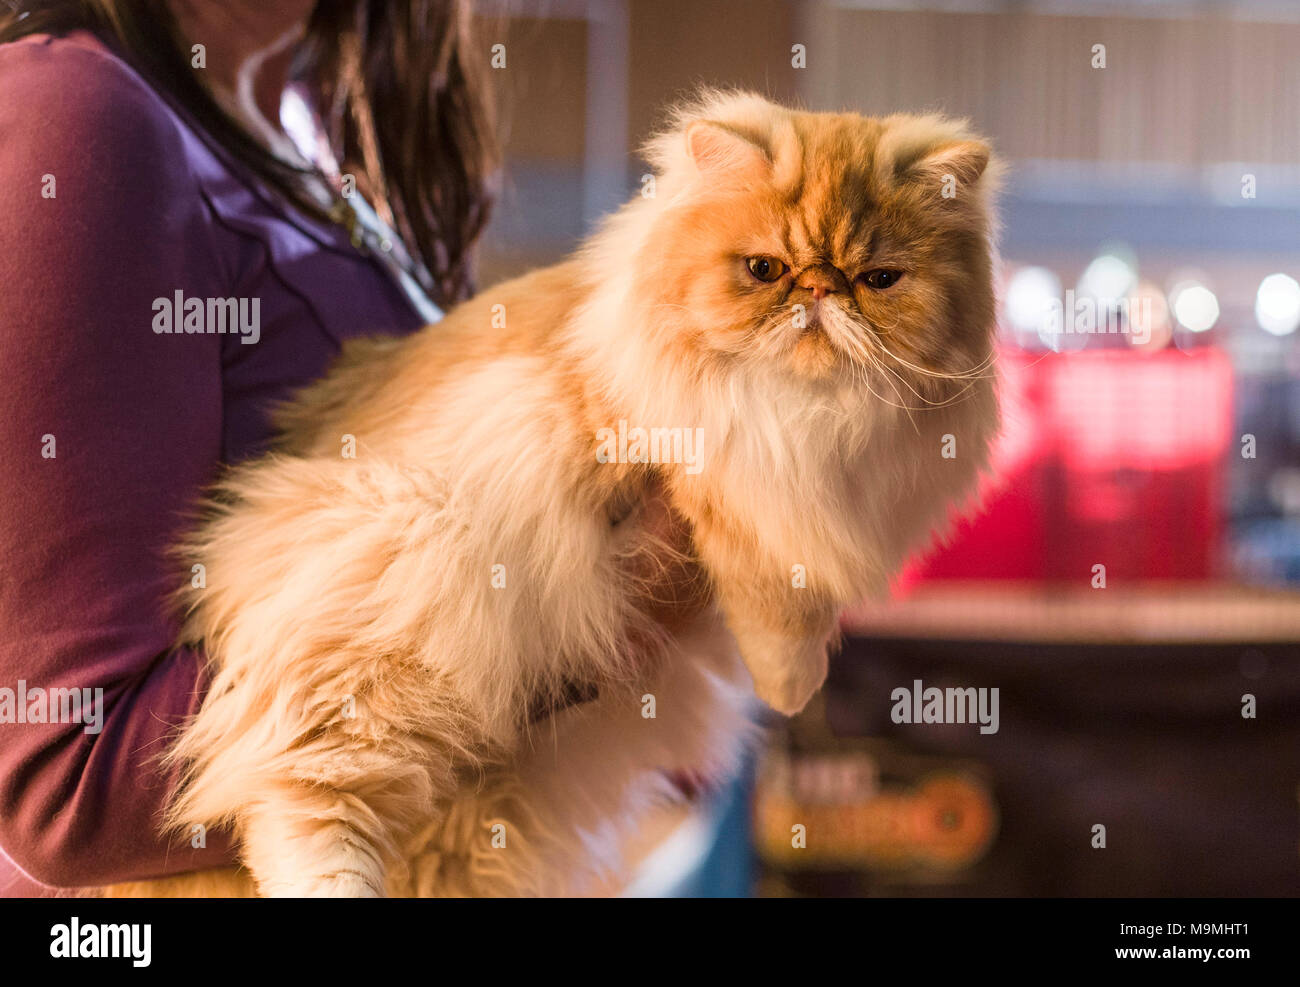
(366, 726)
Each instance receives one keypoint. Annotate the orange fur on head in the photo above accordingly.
(832, 197)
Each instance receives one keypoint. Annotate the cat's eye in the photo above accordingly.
(881, 278)
(765, 268)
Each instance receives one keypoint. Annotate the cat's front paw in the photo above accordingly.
(786, 672)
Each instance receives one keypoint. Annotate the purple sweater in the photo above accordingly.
(109, 430)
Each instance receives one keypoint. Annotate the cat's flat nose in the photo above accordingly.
(821, 280)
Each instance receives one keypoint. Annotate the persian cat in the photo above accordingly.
(437, 666)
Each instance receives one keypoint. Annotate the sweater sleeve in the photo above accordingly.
(108, 431)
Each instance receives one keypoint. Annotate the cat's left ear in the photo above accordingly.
(720, 152)
(964, 161)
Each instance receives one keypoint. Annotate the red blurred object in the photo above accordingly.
(1107, 456)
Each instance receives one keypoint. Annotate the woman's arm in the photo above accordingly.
(107, 432)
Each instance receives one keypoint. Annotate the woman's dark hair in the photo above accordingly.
(399, 85)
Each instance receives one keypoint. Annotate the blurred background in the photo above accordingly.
(1151, 385)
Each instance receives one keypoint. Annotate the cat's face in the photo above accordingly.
(836, 246)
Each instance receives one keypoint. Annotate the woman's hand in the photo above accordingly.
(674, 588)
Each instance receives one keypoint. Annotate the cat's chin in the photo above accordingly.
(814, 356)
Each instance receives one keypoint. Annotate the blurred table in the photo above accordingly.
(1011, 611)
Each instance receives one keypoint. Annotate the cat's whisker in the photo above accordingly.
(863, 362)
(974, 373)
(972, 377)
(947, 402)
(895, 374)
(862, 356)
(903, 406)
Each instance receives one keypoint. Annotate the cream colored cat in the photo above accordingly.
(803, 310)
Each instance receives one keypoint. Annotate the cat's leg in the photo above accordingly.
(784, 647)
(782, 623)
(340, 828)
(314, 843)
(324, 807)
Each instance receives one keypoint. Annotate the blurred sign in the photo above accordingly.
(836, 808)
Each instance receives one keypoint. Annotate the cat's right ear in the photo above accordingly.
(721, 153)
(964, 160)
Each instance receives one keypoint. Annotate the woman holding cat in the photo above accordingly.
(812, 290)
(143, 155)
